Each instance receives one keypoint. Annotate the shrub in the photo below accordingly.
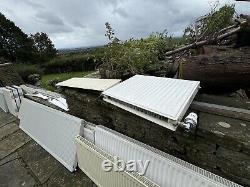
(24, 70)
(69, 63)
(53, 82)
(33, 79)
(135, 56)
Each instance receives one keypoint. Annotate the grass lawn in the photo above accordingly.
(61, 77)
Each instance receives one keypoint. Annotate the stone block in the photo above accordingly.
(39, 161)
(8, 129)
(12, 143)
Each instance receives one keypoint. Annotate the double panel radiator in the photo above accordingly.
(163, 169)
(90, 159)
(163, 101)
(54, 130)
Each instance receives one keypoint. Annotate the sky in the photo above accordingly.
(81, 23)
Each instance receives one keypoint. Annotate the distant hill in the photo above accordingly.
(78, 50)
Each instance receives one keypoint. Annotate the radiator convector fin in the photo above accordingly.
(90, 158)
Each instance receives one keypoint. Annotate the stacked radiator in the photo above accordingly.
(73, 141)
(163, 170)
(10, 99)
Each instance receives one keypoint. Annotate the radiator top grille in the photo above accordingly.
(166, 97)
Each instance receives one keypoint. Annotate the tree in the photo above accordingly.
(14, 44)
(44, 46)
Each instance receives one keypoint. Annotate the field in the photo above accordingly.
(60, 77)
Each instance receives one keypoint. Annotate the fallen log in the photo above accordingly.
(230, 69)
(236, 113)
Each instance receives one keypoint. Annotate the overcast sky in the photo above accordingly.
(79, 23)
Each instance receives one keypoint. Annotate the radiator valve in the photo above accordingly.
(190, 121)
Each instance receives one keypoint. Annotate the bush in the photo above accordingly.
(70, 63)
(24, 70)
(34, 79)
(53, 82)
(135, 56)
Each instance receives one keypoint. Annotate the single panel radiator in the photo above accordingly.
(90, 159)
(54, 130)
(164, 169)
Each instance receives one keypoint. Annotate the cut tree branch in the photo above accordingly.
(209, 41)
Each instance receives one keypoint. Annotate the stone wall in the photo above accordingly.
(8, 76)
(220, 145)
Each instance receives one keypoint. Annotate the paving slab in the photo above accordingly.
(12, 143)
(14, 174)
(6, 118)
(9, 158)
(8, 129)
(64, 178)
(40, 162)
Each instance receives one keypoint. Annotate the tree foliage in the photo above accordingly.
(206, 26)
(14, 44)
(18, 47)
(135, 56)
(44, 47)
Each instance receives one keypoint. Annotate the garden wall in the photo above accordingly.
(220, 145)
(8, 75)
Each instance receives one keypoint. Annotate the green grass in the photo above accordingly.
(61, 77)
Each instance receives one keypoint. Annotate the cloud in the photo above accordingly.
(121, 12)
(49, 18)
(81, 22)
(33, 4)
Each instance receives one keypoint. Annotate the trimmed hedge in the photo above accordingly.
(70, 63)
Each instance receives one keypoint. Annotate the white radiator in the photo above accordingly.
(16, 96)
(163, 169)
(19, 91)
(163, 101)
(11, 101)
(88, 132)
(90, 159)
(54, 130)
(3, 104)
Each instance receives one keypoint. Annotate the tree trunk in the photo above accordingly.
(230, 69)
